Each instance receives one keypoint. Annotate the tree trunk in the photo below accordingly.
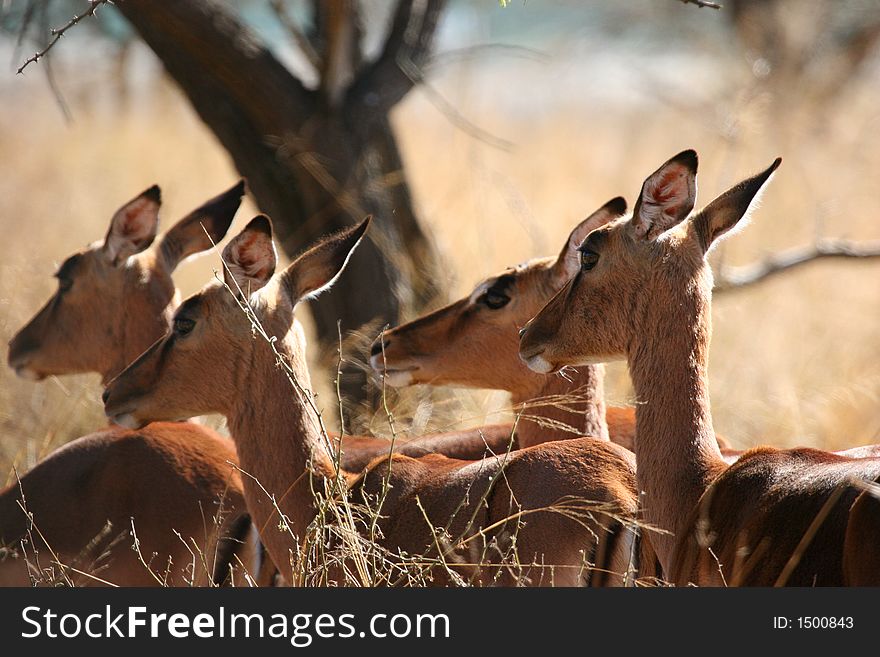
(315, 160)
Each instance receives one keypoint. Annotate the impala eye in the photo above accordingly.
(182, 326)
(588, 260)
(64, 284)
(495, 299)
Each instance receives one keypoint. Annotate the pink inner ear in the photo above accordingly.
(249, 256)
(135, 220)
(672, 183)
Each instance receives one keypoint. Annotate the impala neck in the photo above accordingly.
(279, 443)
(139, 332)
(145, 321)
(554, 403)
(676, 449)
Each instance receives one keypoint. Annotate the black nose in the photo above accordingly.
(106, 395)
(376, 349)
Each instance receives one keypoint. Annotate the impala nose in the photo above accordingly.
(376, 349)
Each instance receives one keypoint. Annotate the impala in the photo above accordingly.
(643, 293)
(474, 342)
(112, 302)
(220, 358)
(114, 299)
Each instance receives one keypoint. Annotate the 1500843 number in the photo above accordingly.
(824, 622)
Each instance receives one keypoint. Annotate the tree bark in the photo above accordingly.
(315, 160)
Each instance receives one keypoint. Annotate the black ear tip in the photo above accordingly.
(222, 208)
(154, 194)
(775, 164)
(364, 225)
(688, 158)
(262, 224)
(616, 206)
(233, 193)
(241, 187)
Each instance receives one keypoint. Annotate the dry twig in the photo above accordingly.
(742, 277)
(59, 32)
(702, 3)
(298, 36)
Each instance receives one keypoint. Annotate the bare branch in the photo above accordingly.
(299, 37)
(56, 91)
(702, 3)
(25, 23)
(469, 52)
(341, 53)
(49, 69)
(382, 84)
(58, 32)
(451, 113)
(742, 277)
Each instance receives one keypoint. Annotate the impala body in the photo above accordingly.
(474, 342)
(113, 300)
(643, 294)
(218, 358)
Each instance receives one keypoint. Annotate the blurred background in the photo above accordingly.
(518, 121)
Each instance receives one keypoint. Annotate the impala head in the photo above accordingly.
(211, 352)
(113, 297)
(636, 269)
(455, 345)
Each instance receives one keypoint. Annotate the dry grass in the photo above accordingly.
(794, 362)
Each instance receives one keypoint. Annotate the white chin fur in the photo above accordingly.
(398, 379)
(27, 374)
(539, 364)
(393, 378)
(126, 420)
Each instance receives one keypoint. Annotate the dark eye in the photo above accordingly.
(64, 284)
(182, 326)
(588, 260)
(495, 299)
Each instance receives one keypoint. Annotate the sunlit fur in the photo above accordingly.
(649, 299)
(162, 478)
(221, 365)
(470, 344)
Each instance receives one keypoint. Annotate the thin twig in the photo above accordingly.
(742, 277)
(298, 36)
(58, 32)
(810, 534)
(448, 110)
(702, 3)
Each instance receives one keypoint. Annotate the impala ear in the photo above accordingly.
(667, 196)
(134, 225)
(319, 267)
(202, 228)
(725, 212)
(568, 262)
(250, 256)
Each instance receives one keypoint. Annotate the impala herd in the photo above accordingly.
(572, 493)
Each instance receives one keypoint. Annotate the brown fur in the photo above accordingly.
(115, 309)
(861, 565)
(168, 478)
(112, 303)
(214, 363)
(648, 298)
(469, 343)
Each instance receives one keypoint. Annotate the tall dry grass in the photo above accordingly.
(795, 361)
